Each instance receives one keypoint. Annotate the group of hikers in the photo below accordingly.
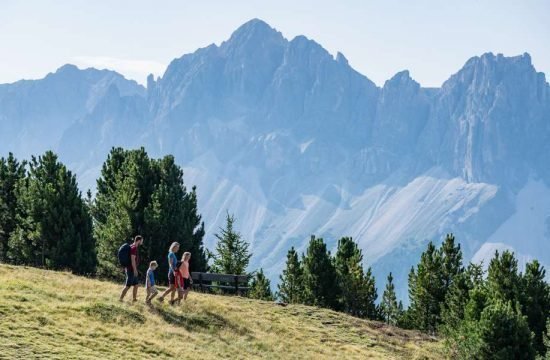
(179, 278)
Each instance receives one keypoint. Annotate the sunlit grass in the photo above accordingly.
(56, 315)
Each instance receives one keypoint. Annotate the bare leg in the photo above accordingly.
(185, 294)
(171, 288)
(135, 292)
(151, 297)
(123, 293)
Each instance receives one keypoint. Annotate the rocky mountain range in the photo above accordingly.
(294, 142)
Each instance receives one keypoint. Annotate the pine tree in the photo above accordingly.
(451, 261)
(503, 280)
(260, 287)
(535, 299)
(319, 276)
(232, 255)
(172, 215)
(389, 308)
(194, 227)
(54, 229)
(124, 190)
(139, 195)
(427, 291)
(504, 333)
(11, 173)
(546, 342)
(457, 297)
(291, 287)
(356, 289)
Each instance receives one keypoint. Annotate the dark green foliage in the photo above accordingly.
(11, 173)
(172, 215)
(457, 297)
(260, 287)
(232, 256)
(356, 289)
(535, 301)
(390, 310)
(451, 261)
(503, 280)
(320, 285)
(139, 195)
(427, 291)
(546, 342)
(54, 229)
(504, 333)
(291, 286)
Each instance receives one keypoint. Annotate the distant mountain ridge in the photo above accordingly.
(294, 141)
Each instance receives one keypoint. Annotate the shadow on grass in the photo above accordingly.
(200, 322)
(114, 314)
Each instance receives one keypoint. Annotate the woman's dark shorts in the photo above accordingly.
(171, 278)
(186, 284)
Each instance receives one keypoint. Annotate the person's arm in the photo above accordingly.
(172, 264)
(147, 282)
(133, 257)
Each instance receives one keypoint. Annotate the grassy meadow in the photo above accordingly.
(56, 315)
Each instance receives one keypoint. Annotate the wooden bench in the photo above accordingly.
(207, 281)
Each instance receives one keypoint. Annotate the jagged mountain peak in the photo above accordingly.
(402, 78)
(253, 33)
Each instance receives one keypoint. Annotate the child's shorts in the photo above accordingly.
(152, 290)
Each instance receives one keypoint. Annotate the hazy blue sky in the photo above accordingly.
(432, 39)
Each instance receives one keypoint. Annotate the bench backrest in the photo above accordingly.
(229, 278)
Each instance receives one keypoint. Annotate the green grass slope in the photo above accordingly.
(56, 315)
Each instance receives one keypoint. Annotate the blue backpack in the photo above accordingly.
(124, 255)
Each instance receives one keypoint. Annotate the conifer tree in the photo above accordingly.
(319, 275)
(503, 280)
(124, 190)
(172, 215)
(139, 195)
(291, 287)
(11, 173)
(427, 291)
(535, 299)
(232, 255)
(504, 333)
(356, 289)
(457, 297)
(389, 307)
(260, 287)
(546, 342)
(54, 229)
(116, 228)
(451, 260)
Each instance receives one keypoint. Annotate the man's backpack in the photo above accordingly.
(124, 255)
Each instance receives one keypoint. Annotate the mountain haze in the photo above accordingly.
(295, 142)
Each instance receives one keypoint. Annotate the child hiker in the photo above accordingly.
(184, 270)
(150, 282)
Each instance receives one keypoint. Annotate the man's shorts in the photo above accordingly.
(131, 280)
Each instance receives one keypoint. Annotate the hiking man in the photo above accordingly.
(131, 268)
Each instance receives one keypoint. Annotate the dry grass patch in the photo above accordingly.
(56, 315)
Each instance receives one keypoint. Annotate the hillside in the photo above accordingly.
(55, 315)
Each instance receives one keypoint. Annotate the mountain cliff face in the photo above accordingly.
(294, 141)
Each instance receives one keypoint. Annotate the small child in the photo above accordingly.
(184, 270)
(150, 282)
